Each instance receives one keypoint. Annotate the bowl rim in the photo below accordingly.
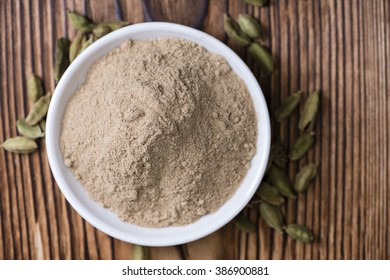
(52, 148)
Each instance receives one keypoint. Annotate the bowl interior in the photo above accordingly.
(104, 219)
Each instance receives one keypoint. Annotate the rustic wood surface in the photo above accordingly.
(341, 47)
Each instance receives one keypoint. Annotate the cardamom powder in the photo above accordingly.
(162, 132)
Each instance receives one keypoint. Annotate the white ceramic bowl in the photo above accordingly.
(104, 219)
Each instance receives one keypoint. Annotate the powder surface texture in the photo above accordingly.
(161, 132)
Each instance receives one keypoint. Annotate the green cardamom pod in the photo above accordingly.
(249, 25)
(299, 233)
(270, 194)
(272, 215)
(304, 176)
(279, 154)
(80, 22)
(100, 30)
(301, 146)
(288, 106)
(61, 61)
(262, 57)
(309, 111)
(20, 145)
(280, 180)
(270, 162)
(32, 132)
(244, 224)
(234, 31)
(75, 46)
(38, 110)
(42, 125)
(86, 43)
(141, 253)
(34, 88)
(115, 24)
(82, 43)
(257, 3)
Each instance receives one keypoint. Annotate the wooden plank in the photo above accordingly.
(131, 11)
(340, 47)
(8, 239)
(386, 74)
(186, 12)
(167, 253)
(218, 245)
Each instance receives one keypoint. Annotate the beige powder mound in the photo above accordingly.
(161, 132)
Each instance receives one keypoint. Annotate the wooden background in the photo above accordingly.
(340, 47)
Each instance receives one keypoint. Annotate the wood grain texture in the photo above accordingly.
(340, 47)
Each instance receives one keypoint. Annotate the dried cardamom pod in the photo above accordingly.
(42, 125)
(85, 44)
(309, 111)
(244, 224)
(115, 24)
(141, 253)
(269, 194)
(257, 3)
(34, 88)
(20, 145)
(75, 46)
(301, 146)
(61, 61)
(299, 233)
(288, 106)
(262, 57)
(100, 30)
(280, 180)
(234, 31)
(272, 215)
(279, 154)
(249, 25)
(83, 41)
(38, 110)
(80, 22)
(32, 132)
(304, 176)
(270, 162)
